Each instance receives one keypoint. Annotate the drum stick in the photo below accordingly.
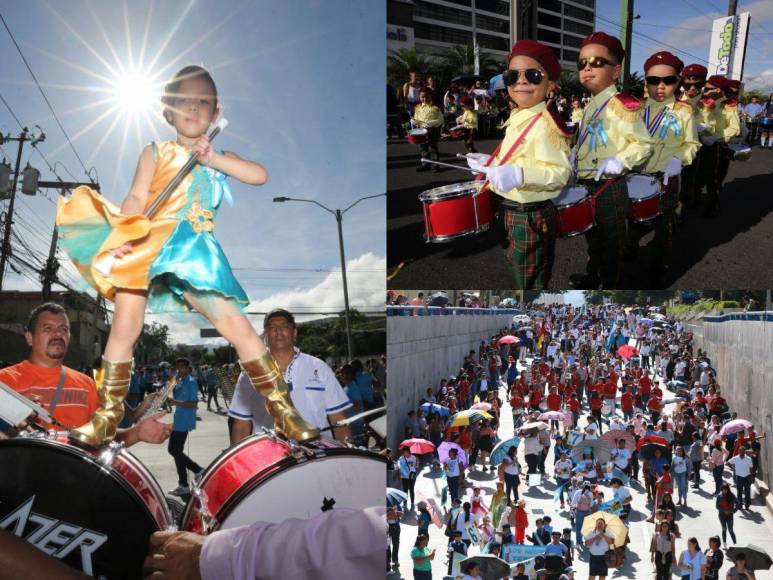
(451, 165)
(105, 265)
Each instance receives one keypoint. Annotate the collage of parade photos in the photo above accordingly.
(512, 322)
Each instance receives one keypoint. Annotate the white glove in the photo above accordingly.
(572, 157)
(477, 161)
(708, 139)
(673, 167)
(610, 166)
(505, 177)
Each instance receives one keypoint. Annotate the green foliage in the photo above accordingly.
(704, 305)
(401, 62)
(323, 338)
(570, 85)
(629, 297)
(747, 96)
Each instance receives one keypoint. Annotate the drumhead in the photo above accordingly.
(59, 499)
(642, 186)
(417, 132)
(571, 195)
(450, 191)
(342, 477)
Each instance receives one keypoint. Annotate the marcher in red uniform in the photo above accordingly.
(626, 402)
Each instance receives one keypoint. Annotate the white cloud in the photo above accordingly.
(366, 293)
(762, 81)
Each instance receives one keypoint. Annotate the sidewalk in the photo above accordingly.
(699, 519)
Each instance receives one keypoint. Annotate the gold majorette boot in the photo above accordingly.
(112, 387)
(267, 380)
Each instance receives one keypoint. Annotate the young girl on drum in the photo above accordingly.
(531, 165)
(427, 116)
(170, 260)
(670, 123)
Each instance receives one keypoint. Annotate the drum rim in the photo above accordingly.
(109, 471)
(261, 476)
(452, 237)
(452, 190)
(572, 204)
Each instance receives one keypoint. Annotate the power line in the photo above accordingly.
(45, 98)
(7, 106)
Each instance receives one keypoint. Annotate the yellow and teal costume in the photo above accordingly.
(174, 252)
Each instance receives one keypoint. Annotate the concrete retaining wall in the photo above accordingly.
(421, 350)
(741, 350)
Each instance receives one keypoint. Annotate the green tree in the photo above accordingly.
(460, 59)
(314, 345)
(153, 343)
(401, 62)
(569, 84)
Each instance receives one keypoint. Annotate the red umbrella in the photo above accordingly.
(418, 446)
(652, 439)
(508, 340)
(627, 351)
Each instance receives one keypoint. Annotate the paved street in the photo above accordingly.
(699, 519)
(715, 252)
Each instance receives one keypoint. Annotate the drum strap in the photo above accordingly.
(58, 392)
(510, 151)
(599, 191)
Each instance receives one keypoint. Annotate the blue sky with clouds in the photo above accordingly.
(302, 86)
(686, 25)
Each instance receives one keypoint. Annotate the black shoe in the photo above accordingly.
(584, 282)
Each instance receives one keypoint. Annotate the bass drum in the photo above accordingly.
(94, 512)
(264, 478)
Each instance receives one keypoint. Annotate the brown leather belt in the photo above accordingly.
(525, 207)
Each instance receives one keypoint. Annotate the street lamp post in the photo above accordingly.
(339, 214)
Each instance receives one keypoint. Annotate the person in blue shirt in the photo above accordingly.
(754, 112)
(185, 398)
(364, 381)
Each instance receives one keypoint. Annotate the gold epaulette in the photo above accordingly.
(557, 132)
(625, 107)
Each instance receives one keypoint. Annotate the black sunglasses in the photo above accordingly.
(533, 76)
(669, 80)
(594, 62)
(696, 84)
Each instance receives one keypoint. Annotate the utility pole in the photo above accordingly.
(5, 249)
(732, 7)
(349, 347)
(626, 27)
(48, 275)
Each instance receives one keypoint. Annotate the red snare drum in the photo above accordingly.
(418, 136)
(93, 511)
(574, 214)
(456, 210)
(457, 132)
(643, 197)
(264, 478)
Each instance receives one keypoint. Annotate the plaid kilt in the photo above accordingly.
(531, 245)
(606, 241)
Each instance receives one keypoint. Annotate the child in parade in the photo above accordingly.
(171, 260)
(531, 165)
(612, 140)
(469, 122)
(671, 124)
(428, 116)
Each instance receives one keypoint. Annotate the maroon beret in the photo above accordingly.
(718, 81)
(733, 84)
(695, 70)
(466, 101)
(542, 53)
(611, 42)
(666, 58)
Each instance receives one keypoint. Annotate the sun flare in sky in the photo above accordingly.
(135, 93)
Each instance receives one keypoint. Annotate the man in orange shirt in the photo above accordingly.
(72, 395)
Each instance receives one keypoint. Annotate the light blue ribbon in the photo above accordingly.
(221, 190)
(670, 121)
(596, 131)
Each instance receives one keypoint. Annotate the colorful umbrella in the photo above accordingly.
(395, 497)
(445, 446)
(538, 425)
(463, 418)
(552, 416)
(651, 439)
(615, 526)
(500, 450)
(756, 557)
(627, 351)
(647, 321)
(491, 567)
(435, 408)
(508, 340)
(647, 451)
(418, 446)
(735, 426)
(602, 451)
(614, 435)
(482, 406)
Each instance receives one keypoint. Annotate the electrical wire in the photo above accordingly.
(13, 114)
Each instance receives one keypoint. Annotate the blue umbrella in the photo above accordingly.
(500, 451)
(647, 321)
(395, 497)
(496, 83)
(435, 408)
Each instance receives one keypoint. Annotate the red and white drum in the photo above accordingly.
(264, 478)
(643, 197)
(93, 511)
(574, 215)
(456, 210)
(457, 132)
(417, 136)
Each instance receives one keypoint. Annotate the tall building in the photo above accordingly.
(434, 26)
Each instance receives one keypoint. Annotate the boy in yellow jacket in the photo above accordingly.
(427, 116)
(612, 140)
(670, 123)
(693, 80)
